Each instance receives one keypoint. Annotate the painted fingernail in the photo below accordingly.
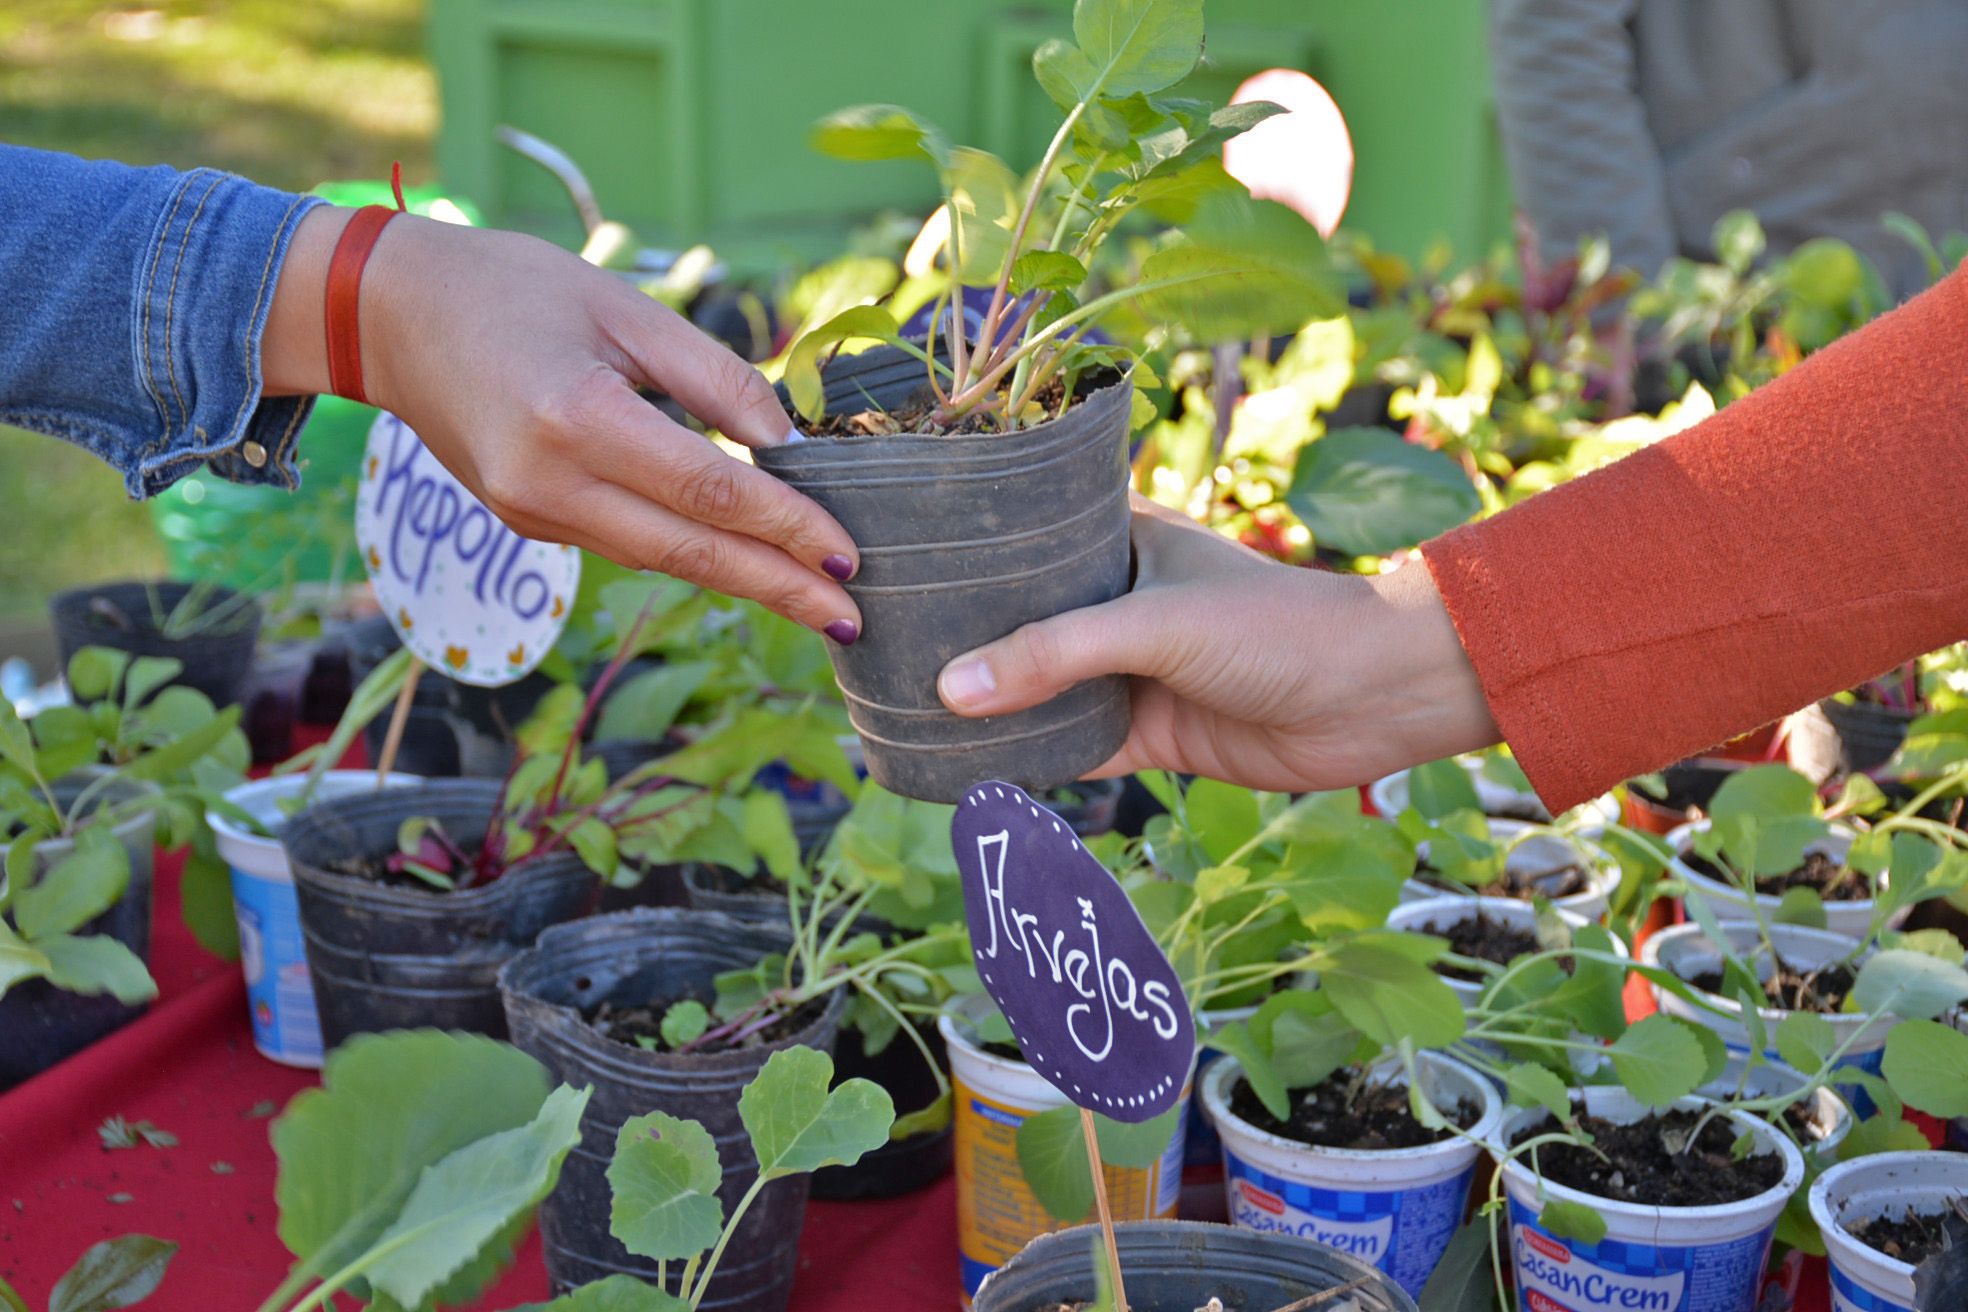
(968, 682)
(840, 568)
(843, 631)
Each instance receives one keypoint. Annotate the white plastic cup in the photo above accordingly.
(1686, 950)
(1864, 1279)
(1853, 919)
(1653, 1259)
(1541, 851)
(997, 1214)
(1389, 795)
(1397, 1208)
(1829, 1116)
(1433, 915)
(279, 992)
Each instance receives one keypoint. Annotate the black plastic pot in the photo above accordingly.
(119, 615)
(453, 729)
(40, 1024)
(1178, 1266)
(900, 1166)
(384, 957)
(1834, 738)
(964, 539)
(636, 958)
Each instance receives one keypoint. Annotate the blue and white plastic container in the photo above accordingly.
(1864, 1279)
(279, 993)
(1397, 1209)
(1653, 1259)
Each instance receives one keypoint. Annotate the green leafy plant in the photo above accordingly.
(148, 749)
(1239, 267)
(116, 1273)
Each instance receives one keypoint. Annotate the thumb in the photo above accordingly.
(1038, 662)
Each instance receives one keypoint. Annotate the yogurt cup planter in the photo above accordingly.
(634, 958)
(997, 1213)
(387, 957)
(1732, 903)
(1183, 1265)
(1540, 851)
(1863, 1279)
(964, 539)
(1687, 1259)
(279, 991)
(1389, 795)
(1828, 1117)
(1686, 951)
(1436, 914)
(1395, 1209)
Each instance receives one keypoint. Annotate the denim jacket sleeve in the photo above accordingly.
(132, 302)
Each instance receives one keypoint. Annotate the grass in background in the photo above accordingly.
(287, 92)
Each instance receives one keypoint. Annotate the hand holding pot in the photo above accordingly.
(1251, 671)
(517, 365)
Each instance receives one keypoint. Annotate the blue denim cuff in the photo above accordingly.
(203, 290)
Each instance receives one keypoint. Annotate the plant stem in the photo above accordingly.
(730, 1227)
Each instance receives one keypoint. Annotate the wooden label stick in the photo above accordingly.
(1106, 1213)
(393, 738)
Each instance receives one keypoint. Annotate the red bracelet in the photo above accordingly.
(341, 303)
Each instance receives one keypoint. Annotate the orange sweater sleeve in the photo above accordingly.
(1810, 536)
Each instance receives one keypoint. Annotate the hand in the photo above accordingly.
(517, 364)
(1254, 672)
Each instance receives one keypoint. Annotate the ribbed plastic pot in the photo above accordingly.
(384, 957)
(40, 1024)
(1177, 1266)
(642, 957)
(215, 663)
(964, 539)
(1841, 738)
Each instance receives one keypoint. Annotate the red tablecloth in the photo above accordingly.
(189, 1067)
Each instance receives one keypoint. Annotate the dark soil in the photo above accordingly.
(1792, 989)
(913, 415)
(631, 1025)
(1484, 938)
(1645, 1163)
(1376, 1119)
(1522, 885)
(1911, 1236)
(1819, 873)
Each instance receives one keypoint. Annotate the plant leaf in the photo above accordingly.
(1389, 996)
(664, 1176)
(1927, 1065)
(390, 1106)
(1046, 271)
(684, 1021)
(1243, 268)
(472, 1197)
(18, 960)
(113, 1274)
(1909, 984)
(1440, 788)
(647, 705)
(878, 132)
(1139, 45)
(797, 1124)
(1658, 1060)
(1569, 1220)
(613, 1294)
(1805, 1040)
(81, 885)
(802, 376)
(1366, 491)
(1530, 1085)
(97, 963)
(1053, 1157)
(1460, 1281)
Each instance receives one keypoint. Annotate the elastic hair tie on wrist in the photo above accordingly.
(342, 301)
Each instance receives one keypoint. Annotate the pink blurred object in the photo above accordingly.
(1302, 158)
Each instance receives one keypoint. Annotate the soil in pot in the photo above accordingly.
(1908, 1236)
(1521, 885)
(1485, 938)
(1830, 880)
(1342, 1111)
(1790, 988)
(1650, 1161)
(642, 1026)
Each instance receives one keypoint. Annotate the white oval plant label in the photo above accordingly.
(469, 597)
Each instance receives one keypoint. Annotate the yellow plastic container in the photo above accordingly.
(996, 1212)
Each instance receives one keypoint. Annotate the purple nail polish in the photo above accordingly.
(839, 567)
(843, 631)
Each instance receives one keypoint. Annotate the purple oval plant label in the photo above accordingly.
(1092, 999)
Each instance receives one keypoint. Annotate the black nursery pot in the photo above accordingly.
(900, 1166)
(1178, 1266)
(964, 539)
(1837, 738)
(216, 663)
(384, 957)
(40, 1024)
(453, 729)
(641, 957)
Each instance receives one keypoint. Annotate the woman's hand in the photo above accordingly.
(1250, 671)
(517, 364)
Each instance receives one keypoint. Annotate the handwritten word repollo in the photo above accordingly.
(428, 515)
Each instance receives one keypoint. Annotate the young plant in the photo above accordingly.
(665, 1172)
(116, 1273)
(1239, 267)
(160, 755)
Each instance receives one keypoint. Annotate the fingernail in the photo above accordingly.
(792, 435)
(843, 631)
(839, 567)
(968, 682)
